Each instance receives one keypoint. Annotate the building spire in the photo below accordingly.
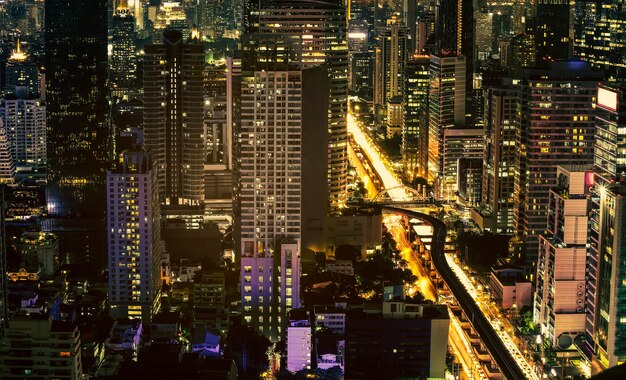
(18, 54)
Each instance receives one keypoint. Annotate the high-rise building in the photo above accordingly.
(552, 31)
(170, 15)
(123, 67)
(134, 237)
(446, 106)
(559, 306)
(362, 74)
(24, 118)
(415, 100)
(459, 143)
(609, 167)
(281, 151)
(324, 41)
(390, 56)
(35, 346)
(173, 117)
(499, 157)
(79, 136)
(555, 126)
(610, 280)
(20, 71)
(7, 166)
(3, 267)
(424, 33)
(597, 38)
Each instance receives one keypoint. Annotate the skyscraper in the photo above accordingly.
(282, 120)
(173, 117)
(609, 168)
(415, 101)
(391, 53)
(3, 267)
(552, 30)
(24, 119)
(316, 43)
(446, 107)
(555, 126)
(599, 36)
(78, 123)
(134, 237)
(123, 68)
(560, 288)
(7, 166)
(499, 157)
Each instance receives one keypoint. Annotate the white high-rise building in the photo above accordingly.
(24, 118)
(134, 237)
(282, 136)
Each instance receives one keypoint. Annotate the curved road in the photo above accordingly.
(507, 364)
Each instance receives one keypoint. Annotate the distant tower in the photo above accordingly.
(173, 117)
(24, 119)
(20, 71)
(123, 66)
(7, 167)
(134, 237)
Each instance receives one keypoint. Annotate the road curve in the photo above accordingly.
(507, 364)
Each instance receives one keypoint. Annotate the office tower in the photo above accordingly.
(212, 20)
(425, 33)
(358, 36)
(134, 237)
(123, 67)
(610, 286)
(173, 117)
(299, 340)
(598, 39)
(316, 43)
(76, 94)
(499, 158)
(24, 118)
(454, 34)
(458, 143)
(362, 74)
(390, 55)
(559, 306)
(518, 52)
(38, 347)
(415, 100)
(484, 35)
(409, 19)
(401, 340)
(552, 31)
(20, 71)
(469, 178)
(3, 267)
(446, 107)
(281, 155)
(7, 167)
(609, 167)
(555, 126)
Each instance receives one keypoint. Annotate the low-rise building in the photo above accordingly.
(125, 338)
(509, 287)
(331, 318)
(299, 340)
(397, 340)
(36, 347)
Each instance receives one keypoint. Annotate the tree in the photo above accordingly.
(247, 348)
